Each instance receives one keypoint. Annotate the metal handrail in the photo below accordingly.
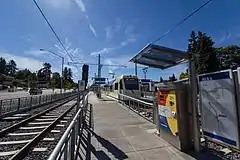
(10, 106)
(150, 104)
(69, 141)
(144, 109)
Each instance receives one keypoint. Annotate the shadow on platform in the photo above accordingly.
(87, 148)
(105, 100)
(111, 148)
(208, 153)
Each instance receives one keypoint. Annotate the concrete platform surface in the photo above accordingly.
(121, 134)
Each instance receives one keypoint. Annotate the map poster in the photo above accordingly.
(218, 107)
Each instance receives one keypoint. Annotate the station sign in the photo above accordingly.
(145, 80)
(99, 80)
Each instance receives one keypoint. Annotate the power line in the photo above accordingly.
(179, 23)
(54, 32)
(182, 21)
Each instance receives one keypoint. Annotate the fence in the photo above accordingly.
(142, 108)
(8, 106)
(69, 144)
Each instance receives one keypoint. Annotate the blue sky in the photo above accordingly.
(116, 29)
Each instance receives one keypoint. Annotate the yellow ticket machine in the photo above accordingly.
(173, 116)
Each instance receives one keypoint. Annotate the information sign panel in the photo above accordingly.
(218, 107)
(99, 80)
(167, 112)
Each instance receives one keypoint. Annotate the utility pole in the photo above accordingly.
(135, 69)
(99, 76)
(145, 72)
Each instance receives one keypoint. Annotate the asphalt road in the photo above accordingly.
(18, 94)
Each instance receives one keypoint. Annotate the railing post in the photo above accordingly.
(39, 99)
(19, 103)
(31, 102)
(11, 103)
(91, 117)
(66, 150)
(72, 144)
(1, 107)
(138, 108)
(78, 128)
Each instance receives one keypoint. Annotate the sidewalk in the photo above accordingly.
(121, 134)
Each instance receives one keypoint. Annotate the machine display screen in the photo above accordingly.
(131, 83)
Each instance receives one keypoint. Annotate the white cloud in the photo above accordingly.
(112, 30)
(224, 38)
(27, 38)
(58, 4)
(109, 32)
(80, 5)
(118, 24)
(23, 62)
(66, 4)
(126, 42)
(104, 50)
(93, 30)
(129, 29)
(75, 53)
(36, 53)
(109, 49)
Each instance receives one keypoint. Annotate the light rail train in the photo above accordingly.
(125, 84)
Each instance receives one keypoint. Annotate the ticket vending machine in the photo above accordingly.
(174, 115)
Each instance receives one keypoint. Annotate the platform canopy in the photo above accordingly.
(156, 56)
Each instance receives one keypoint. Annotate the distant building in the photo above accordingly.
(6, 80)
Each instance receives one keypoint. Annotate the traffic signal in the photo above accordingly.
(85, 69)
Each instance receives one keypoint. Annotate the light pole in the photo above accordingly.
(145, 72)
(62, 65)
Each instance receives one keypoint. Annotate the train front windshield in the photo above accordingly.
(131, 84)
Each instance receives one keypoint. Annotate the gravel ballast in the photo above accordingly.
(51, 144)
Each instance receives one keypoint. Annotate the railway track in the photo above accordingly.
(15, 118)
(21, 140)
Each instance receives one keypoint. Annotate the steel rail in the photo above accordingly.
(3, 132)
(24, 150)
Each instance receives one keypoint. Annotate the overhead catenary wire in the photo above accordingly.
(182, 21)
(54, 32)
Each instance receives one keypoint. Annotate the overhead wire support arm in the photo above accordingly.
(108, 65)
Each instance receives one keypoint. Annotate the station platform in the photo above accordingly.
(119, 133)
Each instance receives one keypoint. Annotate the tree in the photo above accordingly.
(229, 57)
(69, 75)
(33, 80)
(201, 46)
(85, 69)
(172, 78)
(23, 75)
(46, 71)
(2, 65)
(161, 79)
(67, 78)
(183, 75)
(11, 68)
(56, 80)
(69, 85)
